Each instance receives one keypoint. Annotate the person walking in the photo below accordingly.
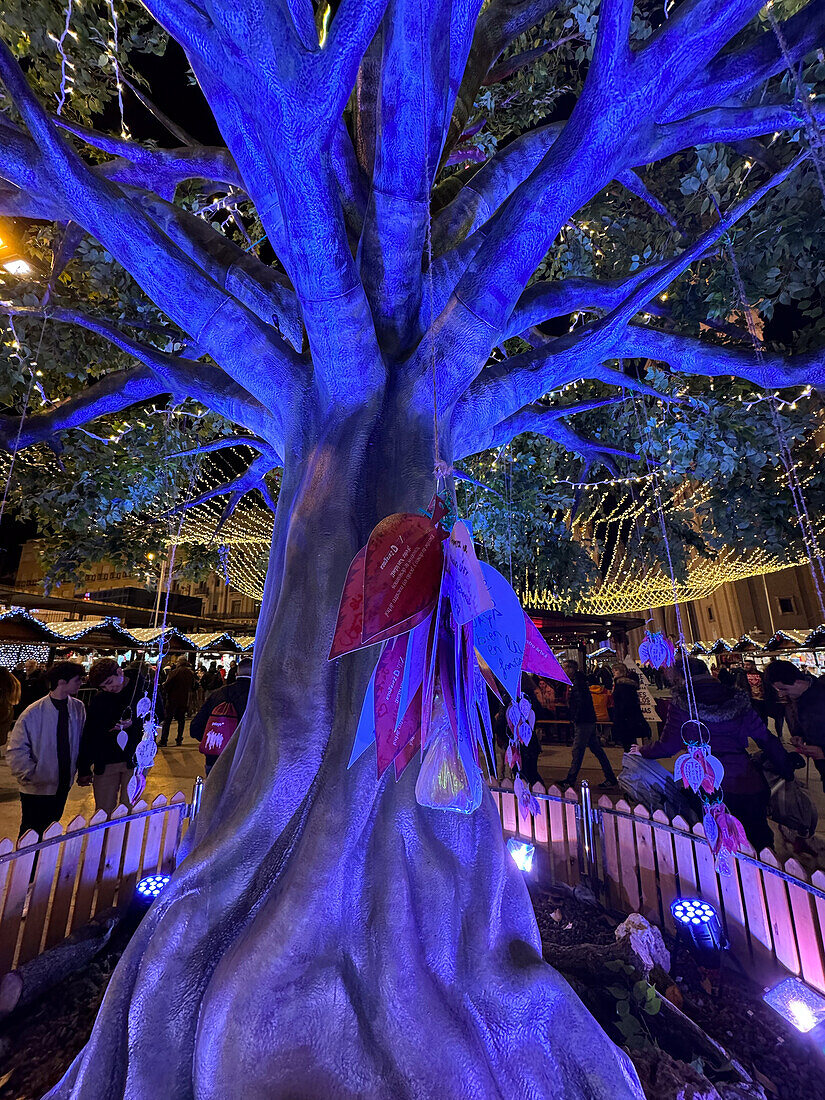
(111, 733)
(731, 722)
(583, 717)
(236, 695)
(43, 748)
(628, 721)
(804, 700)
(9, 698)
(176, 691)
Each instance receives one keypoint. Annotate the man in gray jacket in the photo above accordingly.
(43, 746)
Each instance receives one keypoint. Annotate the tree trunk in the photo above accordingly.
(325, 936)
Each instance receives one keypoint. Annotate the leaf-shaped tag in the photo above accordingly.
(122, 739)
(135, 786)
(144, 707)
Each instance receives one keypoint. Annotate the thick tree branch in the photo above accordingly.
(176, 375)
(544, 301)
(728, 124)
(412, 125)
(550, 423)
(688, 40)
(520, 61)
(246, 348)
(112, 394)
(501, 22)
(690, 355)
(253, 478)
(735, 74)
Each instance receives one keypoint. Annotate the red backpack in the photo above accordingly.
(223, 721)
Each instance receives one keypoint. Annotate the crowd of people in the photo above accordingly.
(734, 703)
(53, 739)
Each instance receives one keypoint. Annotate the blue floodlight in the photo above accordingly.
(700, 922)
(522, 853)
(150, 887)
(797, 1003)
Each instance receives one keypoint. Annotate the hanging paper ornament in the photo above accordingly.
(697, 768)
(145, 752)
(725, 835)
(144, 707)
(501, 634)
(512, 757)
(657, 649)
(122, 739)
(443, 783)
(450, 626)
(538, 657)
(521, 719)
(135, 786)
(527, 801)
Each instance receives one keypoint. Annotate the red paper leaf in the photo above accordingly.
(402, 572)
(350, 624)
(389, 673)
(538, 656)
(407, 754)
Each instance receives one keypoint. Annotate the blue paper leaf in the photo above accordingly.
(365, 734)
(500, 634)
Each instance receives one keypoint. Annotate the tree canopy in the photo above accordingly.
(112, 485)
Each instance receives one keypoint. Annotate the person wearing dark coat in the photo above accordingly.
(804, 698)
(176, 690)
(731, 722)
(628, 721)
(236, 693)
(583, 717)
(111, 711)
(33, 686)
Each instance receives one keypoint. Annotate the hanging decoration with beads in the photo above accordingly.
(449, 627)
(658, 650)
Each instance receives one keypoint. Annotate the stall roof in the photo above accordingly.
(17, 625)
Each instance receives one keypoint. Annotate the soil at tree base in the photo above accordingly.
(728, 1007)
(38, 1044)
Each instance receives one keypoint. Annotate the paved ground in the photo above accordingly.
(175, 770)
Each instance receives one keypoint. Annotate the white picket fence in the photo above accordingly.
(79, 872)
(641, 862)
(637, 862)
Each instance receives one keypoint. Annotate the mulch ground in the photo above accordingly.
(727, 1005)
(38, 1044)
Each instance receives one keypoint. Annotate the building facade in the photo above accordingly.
(110, 583)
(785, 600)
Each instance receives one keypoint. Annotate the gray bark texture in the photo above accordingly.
(324, 935)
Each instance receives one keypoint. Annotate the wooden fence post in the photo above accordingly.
(18, 884)
(807, 930)
(666, 862)
(41, 892)
(779, 915)
(64, 890)
(629, 882)
(649, 899)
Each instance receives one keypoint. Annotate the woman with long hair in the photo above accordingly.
(10, 689)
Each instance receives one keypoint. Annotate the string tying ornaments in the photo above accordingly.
(697, 768)
(146, 749)
(449, 627)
